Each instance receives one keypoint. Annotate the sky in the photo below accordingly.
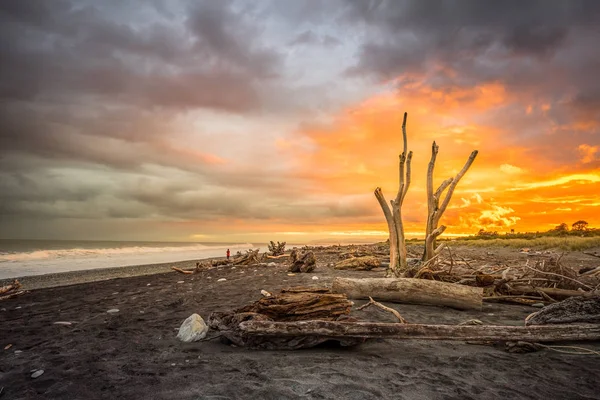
(240, 120)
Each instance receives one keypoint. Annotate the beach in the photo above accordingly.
(134, 354)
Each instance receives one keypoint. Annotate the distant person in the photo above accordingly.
(228, 254)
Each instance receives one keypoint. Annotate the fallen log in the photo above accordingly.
(182, 271)
(412, 291)
(553, 292)
(276, 257)
(364, 263)
(340, 329)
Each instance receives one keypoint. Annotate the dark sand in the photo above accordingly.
(134, 354)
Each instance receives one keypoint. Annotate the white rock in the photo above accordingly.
(193, 329)
(113, 311)
(271, 264)
(147, 284)
(180, 281)
(265, 293)
(37, 373)
(315, 278)
(232, 267)
(67, 323)
(221, 280)
(18, 351)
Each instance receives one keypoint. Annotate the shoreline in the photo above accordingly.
(58, 279)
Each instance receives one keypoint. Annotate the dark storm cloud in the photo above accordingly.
(68, 49)
(541, 47)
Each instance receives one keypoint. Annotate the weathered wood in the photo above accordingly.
(276, 249)
(296, 306)
(340, 329)
(553, 292)
(182, 271)
(364, 263)
(414, 291)
(302, 261)
(16, 285)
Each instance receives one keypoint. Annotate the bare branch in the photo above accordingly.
(457, 179)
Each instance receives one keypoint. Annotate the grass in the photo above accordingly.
(571, 243)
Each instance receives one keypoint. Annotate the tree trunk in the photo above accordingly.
(412, 291)
(434, 210)
(337, 329)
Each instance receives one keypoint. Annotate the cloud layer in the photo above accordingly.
(237, 119)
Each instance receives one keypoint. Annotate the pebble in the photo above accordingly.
(148, 284)
(290, 274)
(538, 305)
(172, 365)
(18, 351)
(180, 281)
(265, 293)
(66, 323)
(232, 267)
(37, 373)
(115, 293)
(315, 278)
(221, 280)
(113, 311)
(18, 308)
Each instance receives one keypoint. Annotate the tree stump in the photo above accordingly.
(302, 262)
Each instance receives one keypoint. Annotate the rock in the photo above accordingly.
(180, 281)
(37, 373)
(271, 264)
(315, 278)
(265, 293)
(66, 323)
(18, 351)
(221, 280)
(193, 329)
(291, 274)
(538, 305)
(113, 311)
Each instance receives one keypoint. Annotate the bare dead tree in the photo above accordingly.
(434, 209)
(393, 215)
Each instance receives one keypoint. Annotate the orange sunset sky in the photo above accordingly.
(249, 121)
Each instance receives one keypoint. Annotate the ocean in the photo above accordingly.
(37, 257)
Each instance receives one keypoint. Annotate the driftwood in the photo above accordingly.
(364, 263)
(414, 291)
(395, 313)
(250, 257)
(293, 304)
(434, 209)
(572, 310)
(11, 290)
(276, 257)
(182, 271)
(341, 329)
(302, 261)
(276, 249)
(393, 215)
(303, 304)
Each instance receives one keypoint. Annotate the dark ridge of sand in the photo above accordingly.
(134, 354)
(94, 275)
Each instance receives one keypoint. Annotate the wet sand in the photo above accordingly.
(133, 354)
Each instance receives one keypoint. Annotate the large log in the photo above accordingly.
(412, 291)
(337, 329)
(364, 263)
